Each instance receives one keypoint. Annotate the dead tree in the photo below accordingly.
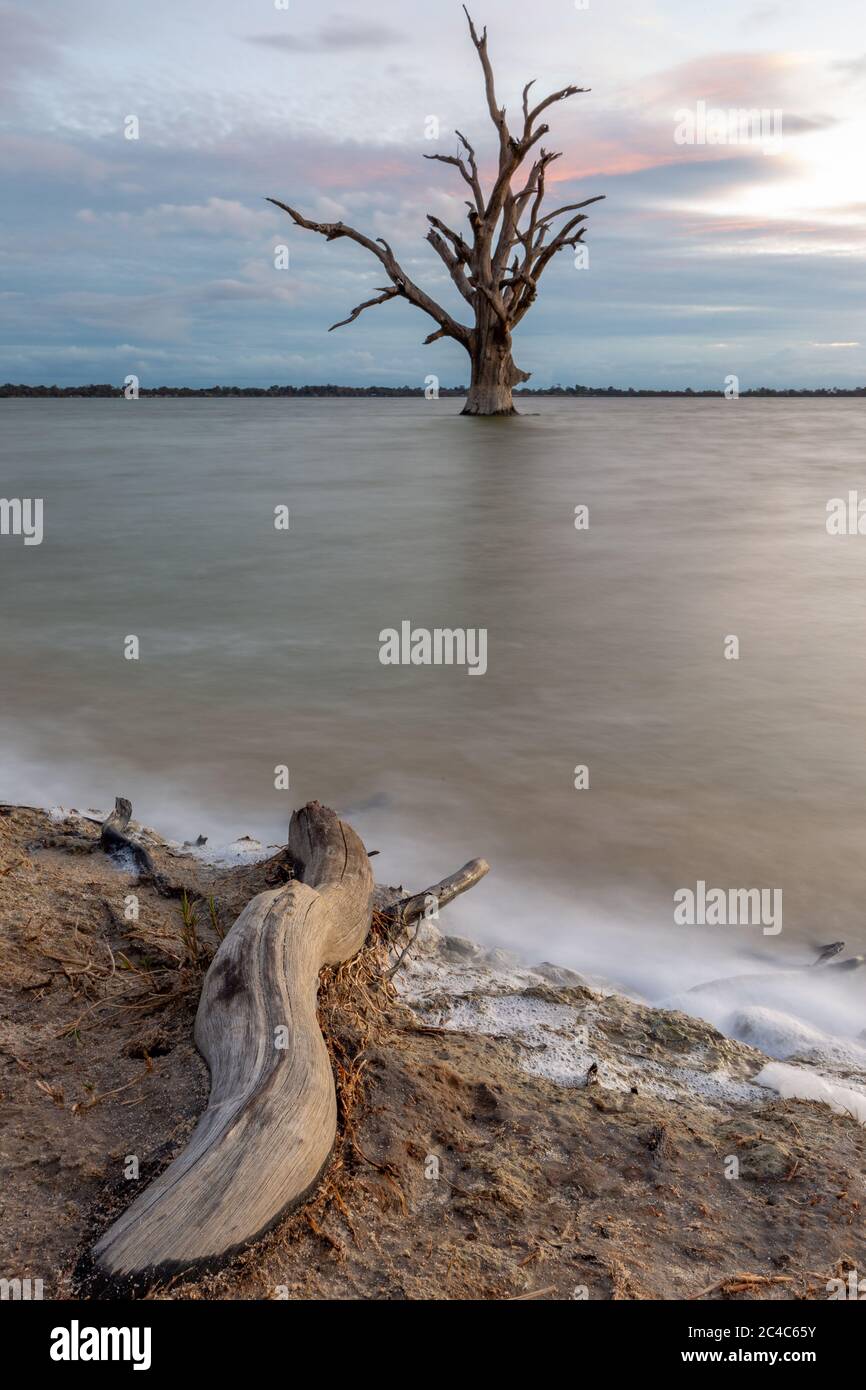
(512, 240)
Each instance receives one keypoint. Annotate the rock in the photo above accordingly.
(459, 947)
(764, 1161)
(558, 974)
(670, 1034)
(497, 959)
(428, 940)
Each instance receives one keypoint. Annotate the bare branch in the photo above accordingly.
(563, 238)
(526, 92)
(368, 304)
(408, 910)
(462, 249)
(473, 168)
(551, 101)
(454, 264)
(570, 207)
(458, 164)
(515, 206)
(537, 256)
(522, 300)
(383, 253)
(497, 113)
(495, 301)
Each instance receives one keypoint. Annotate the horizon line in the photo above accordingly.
(11, 390)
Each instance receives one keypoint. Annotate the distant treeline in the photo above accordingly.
(104, 389)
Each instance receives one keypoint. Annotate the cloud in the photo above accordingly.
(27, 43)
(37, 155)
(852, 68)
(222, 217)
(732, 79)
(339, 35)
(108, 245)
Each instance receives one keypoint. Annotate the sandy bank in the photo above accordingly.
(504, 1131)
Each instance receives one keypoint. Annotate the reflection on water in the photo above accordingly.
(605, 648)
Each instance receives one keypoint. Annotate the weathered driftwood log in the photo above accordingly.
(270, 1123)
(269, 1127)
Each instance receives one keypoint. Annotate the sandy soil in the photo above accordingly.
(476, 1157)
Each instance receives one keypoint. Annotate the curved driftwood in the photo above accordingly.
(269, 1127)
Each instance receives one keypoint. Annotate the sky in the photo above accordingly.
(157, 256)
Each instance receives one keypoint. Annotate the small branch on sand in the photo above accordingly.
(114, 839)
(423, 905)
(742, 1283)
(408, 910)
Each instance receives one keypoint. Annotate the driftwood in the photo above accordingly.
(406, 911)
(114, 838)
(266, 1136)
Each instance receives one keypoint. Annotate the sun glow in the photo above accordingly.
(822, 189)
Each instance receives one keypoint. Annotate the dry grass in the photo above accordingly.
(356, 1008)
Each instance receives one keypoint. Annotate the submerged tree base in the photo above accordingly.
(472, 408)
(494, 376)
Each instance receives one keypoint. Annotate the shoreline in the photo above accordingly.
(468, 970)
(582, 1136)
(109, 392)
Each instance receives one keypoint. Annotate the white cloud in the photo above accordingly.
(217, 217)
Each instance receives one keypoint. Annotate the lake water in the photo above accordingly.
(605, 648)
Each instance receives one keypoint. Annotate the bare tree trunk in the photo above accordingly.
(493, 372)
(490, 388)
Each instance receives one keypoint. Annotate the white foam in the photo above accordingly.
(783, 1035)
(798, 1083)
(556, 1041)
(244, 851)
(814, 1013)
